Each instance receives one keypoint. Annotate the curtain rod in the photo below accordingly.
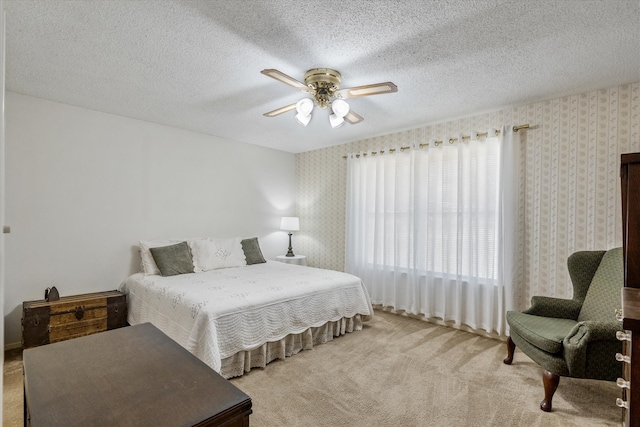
(451, 140)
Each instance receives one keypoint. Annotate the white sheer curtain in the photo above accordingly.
(432, 231)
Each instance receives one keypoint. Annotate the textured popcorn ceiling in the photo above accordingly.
(196, 64)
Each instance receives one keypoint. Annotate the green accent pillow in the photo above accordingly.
(252, 251)
(173, 259)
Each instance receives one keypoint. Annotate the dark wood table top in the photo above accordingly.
(133, 376)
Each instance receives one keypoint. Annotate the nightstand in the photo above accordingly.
(296, 259)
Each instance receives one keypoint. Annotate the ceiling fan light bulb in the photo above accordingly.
(303, 119)
(336, 121)
(304, 106)
(340, 108)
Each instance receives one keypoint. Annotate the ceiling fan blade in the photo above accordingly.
(282, 77)
(280, 110)
(366, 90)
(353, 118)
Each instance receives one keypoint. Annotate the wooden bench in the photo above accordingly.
(132, 376)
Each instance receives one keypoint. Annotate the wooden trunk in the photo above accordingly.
(45, 322)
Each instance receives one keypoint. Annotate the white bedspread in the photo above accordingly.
(218, 313)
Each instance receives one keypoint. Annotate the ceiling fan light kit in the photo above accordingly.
(303, 119)
(304, 106)
(323, 84)
(340, 109)
(335, 121)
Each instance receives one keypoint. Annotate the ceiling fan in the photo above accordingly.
(323, 84)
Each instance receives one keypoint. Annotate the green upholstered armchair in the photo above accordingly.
(576, 337)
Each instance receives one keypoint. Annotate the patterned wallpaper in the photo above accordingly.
(569, 188)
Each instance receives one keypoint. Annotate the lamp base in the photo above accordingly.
(290, 252)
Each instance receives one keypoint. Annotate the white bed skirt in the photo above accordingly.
(244, 361)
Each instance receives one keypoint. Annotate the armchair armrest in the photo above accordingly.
(576, 342)
(554, 307)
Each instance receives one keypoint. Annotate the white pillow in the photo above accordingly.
(211, 254)
(148, 264)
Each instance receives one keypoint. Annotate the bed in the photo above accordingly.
(242, 317)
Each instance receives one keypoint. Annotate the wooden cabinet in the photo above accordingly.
(45, 322)
(630, 180)
(631, 370)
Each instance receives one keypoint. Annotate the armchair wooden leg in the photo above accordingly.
(511, 347)
(550, 382)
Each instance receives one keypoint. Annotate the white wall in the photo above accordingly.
(82, 187)
(2, 186)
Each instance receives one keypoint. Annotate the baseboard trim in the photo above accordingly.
(12, 346)
(440, 322)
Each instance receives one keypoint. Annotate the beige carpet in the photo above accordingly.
(401, 371)
(12, 396)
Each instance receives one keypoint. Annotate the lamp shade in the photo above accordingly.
(304, 106)
(340, 108)
(302, 119)
(290, 223)
(336, 121)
